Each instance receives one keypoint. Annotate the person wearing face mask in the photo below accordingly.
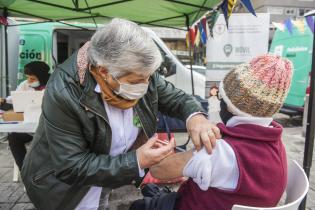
(37, 75)
(98, 123)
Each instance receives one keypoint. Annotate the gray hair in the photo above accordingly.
(123, 47)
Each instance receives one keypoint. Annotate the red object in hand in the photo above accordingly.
(163, 136)
(150, 179)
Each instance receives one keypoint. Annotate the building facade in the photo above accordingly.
(281, 9)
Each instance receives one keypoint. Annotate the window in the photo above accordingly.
(301, 12)
(290, 11)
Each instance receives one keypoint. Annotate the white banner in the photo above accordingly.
(246, 37)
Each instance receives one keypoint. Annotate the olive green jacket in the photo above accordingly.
(70, 149)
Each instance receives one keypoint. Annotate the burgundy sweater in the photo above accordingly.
(262, 164)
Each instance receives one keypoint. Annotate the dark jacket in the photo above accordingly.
(155, 198)
(70, 149)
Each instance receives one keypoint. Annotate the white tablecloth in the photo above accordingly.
(21, 127)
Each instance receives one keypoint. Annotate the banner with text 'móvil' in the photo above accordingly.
(246, 37)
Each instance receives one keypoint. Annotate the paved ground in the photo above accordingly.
(12, 195)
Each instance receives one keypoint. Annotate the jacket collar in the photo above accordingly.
(89, 99)
(258, 131)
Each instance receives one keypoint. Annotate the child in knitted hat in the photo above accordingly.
(248, 165)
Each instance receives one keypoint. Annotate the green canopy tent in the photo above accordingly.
(178, 14)
(165, 13)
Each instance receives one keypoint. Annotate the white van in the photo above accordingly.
(55, 42)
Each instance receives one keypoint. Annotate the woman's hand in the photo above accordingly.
(199, 169)
(153, 152)
(202, 132)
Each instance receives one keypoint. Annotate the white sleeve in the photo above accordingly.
(219, 170)
(23, 86)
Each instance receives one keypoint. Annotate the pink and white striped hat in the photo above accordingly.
(257, 88)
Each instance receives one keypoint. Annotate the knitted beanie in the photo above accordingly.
(257, 88)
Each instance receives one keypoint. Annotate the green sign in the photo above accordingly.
(297, 47)
(32, 47)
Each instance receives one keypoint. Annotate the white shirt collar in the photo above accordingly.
(237, 120)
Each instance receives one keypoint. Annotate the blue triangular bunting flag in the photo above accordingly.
(288, 24)
(248, 6)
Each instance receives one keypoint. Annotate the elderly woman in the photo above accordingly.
(98, 122)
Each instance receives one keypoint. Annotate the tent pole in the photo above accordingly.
(5, 15)
(76, 4)
(190, 59)
(310, 126)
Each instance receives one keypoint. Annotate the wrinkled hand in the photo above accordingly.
(153, 152)
(202, 132)
(199, 170)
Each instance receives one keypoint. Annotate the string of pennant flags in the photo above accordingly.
(199, 33)
(300, 24)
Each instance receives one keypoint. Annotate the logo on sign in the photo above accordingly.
(227, 49)
(219, 29)
(242, 51)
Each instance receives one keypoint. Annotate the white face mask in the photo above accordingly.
(34, 84)
(131, 92)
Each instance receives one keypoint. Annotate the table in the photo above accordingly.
(21, 127)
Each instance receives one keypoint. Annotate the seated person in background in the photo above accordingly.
(214, 105)
(248, 165)
(37, 75)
